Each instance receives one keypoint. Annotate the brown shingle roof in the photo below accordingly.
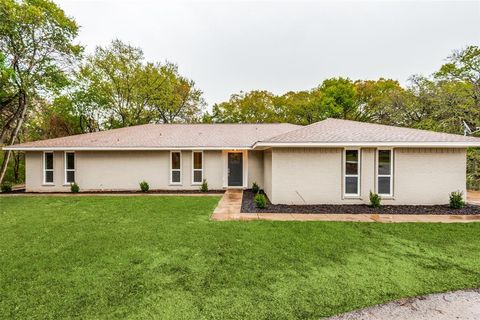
(345, 131)
(329, 132)
(164, 136)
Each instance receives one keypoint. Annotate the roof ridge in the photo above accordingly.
(392, 126)
(300, 127)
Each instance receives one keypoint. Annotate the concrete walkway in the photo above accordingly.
(230, 206)
(463, 305)
(473, 197)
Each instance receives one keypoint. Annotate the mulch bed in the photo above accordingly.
(248, 205)
(128, 192)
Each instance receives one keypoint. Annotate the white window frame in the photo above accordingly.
(345, 175)
(70, 170)
(392, 159)
(45, 169)
(179, 170)
(193, 168)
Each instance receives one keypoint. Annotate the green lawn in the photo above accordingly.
(160, 257)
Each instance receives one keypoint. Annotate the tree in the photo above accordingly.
(302, 107)
(463, 65)
(378, 99)
(245, 107)
(36, 38)
(338, 98)
(176, 99)
(115, 84)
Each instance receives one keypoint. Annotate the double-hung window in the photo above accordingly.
(175, 167)
(197, 167)
(48, 167)
(352, 173)
(385, 172)
(69, 167)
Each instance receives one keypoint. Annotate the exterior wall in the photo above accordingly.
(122, 170)
(427, 176)
(255, 168)
(315, 176)
(34, 173)
(267, 173)
(288, 176)
(306, 176)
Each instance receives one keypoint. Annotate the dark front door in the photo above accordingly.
(235, 169)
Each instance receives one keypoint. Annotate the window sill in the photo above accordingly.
(48, 184)
(387, 197)
(356, 197)
(175, 184)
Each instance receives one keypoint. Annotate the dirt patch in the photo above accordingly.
(463, 304)
(248, 205)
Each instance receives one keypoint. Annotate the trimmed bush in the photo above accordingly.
(375, 200)
(260, 201)
(6, 186)
(74, 188)
(255, 187)
(204, 186)
(144, 187)
(456, 200)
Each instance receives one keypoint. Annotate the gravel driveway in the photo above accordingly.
(462, 305)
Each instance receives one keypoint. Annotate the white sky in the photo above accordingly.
(226, 47)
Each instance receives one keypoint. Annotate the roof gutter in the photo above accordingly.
(19, 148)
(260, 144)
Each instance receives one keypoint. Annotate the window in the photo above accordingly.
(48, 167)
(69, 167)
(352, 170)
(176, 167)
(384, 172)
(197, 167)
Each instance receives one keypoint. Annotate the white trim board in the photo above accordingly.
(366, 144)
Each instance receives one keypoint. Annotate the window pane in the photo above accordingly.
(197, 176)
(70, 176)
(351, 165)
(49, 176)
(351, 186)
(175, 160)
(384, 162)
(197, 160)
(48, 160)
(176, 176)
(384, 185)
(70, 160)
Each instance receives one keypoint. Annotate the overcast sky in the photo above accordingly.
(282, 46)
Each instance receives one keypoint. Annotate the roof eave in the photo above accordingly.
(46, 148)
(262, 145)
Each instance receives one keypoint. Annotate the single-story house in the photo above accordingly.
(328, 162)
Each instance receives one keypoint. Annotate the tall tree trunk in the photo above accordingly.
(22, 103)
(17, 157)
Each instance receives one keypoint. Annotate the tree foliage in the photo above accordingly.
(36, 41)
(117, 88)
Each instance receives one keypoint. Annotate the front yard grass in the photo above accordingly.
(160, 257)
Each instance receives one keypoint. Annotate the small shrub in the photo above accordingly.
(74, 188)
(204, 186)
(375, 200)
(255, 187)
(456, 200)
(260, 201)
(144, 187)
(6, 186)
